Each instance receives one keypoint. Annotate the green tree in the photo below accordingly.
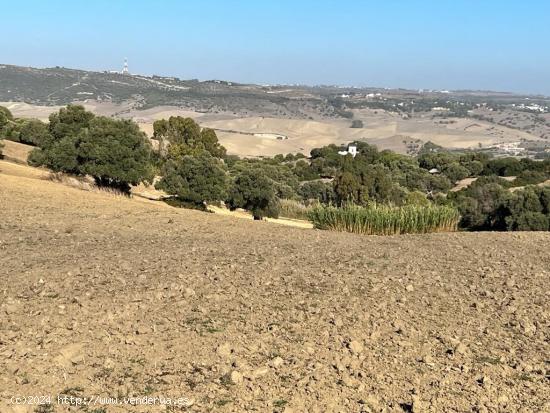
(185, 137)
(255, 192)
(437, 160)
(197, 179)
(347, 188)
(8, 126)
(115, 152)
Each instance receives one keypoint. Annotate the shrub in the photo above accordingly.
(385, 220)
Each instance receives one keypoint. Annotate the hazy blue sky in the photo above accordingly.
(442, 44)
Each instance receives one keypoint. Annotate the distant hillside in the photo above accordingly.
(60, 86)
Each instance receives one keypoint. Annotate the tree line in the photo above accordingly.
(191, 165)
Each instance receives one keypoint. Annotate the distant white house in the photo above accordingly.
(434, 171)
(352, 150)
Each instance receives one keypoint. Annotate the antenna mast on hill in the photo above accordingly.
(125, 68)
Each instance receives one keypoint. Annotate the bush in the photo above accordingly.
(385, 220)
(255, 192)
(196, 179)
(357, 124)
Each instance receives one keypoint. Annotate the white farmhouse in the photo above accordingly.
(352, 150)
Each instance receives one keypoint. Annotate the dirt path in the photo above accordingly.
(297, 223)
(102, 295)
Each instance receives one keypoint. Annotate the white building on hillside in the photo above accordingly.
(352, 150)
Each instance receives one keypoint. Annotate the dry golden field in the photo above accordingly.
(254, 135)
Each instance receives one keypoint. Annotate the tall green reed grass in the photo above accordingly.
(385, 220)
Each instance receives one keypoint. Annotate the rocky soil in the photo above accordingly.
(106, 296)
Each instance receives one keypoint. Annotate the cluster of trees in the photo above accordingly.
(113, 151)
(195, 168)
(457, 166)
(489, 205)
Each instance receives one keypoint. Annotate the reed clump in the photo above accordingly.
(385, 220)
(289, 208)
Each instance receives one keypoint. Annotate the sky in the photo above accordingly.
(498, 45)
